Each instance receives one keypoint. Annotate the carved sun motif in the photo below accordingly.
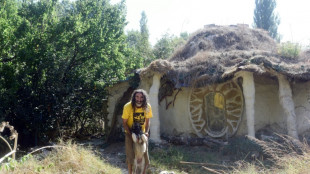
(216, 109)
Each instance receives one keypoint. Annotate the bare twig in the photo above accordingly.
(7, 155)
(7, 143)
(212, 170)
(214, 141)
(209, 164)
(45, 147)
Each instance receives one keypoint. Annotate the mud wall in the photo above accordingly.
(268, 111)
(301, 97)
(174, 109)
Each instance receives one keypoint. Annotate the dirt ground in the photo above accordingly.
(113, 153)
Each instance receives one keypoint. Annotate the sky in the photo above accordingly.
(176, 16)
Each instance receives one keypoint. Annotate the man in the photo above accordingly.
(138, 110)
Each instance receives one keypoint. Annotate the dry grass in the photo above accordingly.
(289, 164)
(282, 156)
(71, 158)
(215, 53)
(288, 156)
(224, 39)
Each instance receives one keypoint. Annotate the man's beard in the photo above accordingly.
(138, 105)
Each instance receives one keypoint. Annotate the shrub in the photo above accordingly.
(67, 158)
(289, 50)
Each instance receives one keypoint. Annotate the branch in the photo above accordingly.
(7, 155)
(211, 170)
(6, 142)
(71, 63)
(209, 164)
(45, 147)
(4, 60)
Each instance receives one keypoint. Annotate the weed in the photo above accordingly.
(168, 157)
(289, 50)
(71, 158)
(288, 156)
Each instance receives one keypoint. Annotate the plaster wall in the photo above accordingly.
(115, 93)
(268, 110)
(146, 84)
(301, 97)
(175, 120)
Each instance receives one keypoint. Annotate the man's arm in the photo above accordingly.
(147, 126)
(126, 126)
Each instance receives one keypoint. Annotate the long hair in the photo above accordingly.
(145, 101)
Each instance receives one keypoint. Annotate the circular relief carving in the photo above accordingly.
(216, 109)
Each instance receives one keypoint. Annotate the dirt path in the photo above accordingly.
(114, 153)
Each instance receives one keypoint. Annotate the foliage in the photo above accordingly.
(139, 45)
(56, 57)
(135, 58)
(266, 18)
(289, 50)
(164, 48)
(11, 164)
(71, 158)
(145, 46)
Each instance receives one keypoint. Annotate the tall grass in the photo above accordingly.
(289, 50)
(281, 155)
(288, 156)
(169, 157)
(285, 155)
(71, 158)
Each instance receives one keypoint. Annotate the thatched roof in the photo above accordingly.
(215, 53)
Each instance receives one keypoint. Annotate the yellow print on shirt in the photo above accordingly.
(139, 117)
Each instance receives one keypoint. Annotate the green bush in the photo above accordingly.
(289, 50)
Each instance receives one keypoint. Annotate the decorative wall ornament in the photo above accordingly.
(216, 110)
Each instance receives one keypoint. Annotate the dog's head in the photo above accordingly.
(137, 133)
(137, 129)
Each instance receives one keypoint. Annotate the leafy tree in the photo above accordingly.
(57, 60)
(266, 18)
(144, 45)
(143, 28)
(139, 50)
(164, 48)
(134, 57)
(9, 20)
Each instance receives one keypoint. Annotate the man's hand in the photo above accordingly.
(147, 126)
(126, 126)
(128, 132)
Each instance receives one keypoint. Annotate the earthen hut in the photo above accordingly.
(225, 81)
